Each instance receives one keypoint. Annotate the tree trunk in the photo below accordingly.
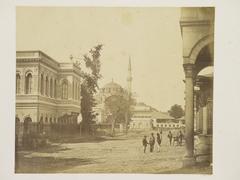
(85, 128)
(113, 127)
(126, 123)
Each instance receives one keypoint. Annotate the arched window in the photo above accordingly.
(46, 120)
(18, 83)
(51, 88)
(46, 87)
(64, 90)
(28, 84)
(26, 125)
(42, 85)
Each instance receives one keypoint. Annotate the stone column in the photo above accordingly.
(34, 84)
(196, 123)
(205, 120)
(210, 115)
(49, 87)
(200, 119)
(53, 87)
(39, 83)
(58, 90)
(189, 115)
(45, 85)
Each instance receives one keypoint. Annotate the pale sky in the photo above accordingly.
(151, 36)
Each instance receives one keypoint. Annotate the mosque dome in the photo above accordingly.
(112, 87)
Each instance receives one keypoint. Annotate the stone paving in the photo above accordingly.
(123, 154)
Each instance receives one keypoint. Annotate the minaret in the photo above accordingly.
(129, 78)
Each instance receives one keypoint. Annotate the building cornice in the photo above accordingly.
(185, 23)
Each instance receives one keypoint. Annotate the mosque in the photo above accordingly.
(109, 90)
(142, 116)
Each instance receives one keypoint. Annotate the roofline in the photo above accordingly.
(40, 52)
(47, 56)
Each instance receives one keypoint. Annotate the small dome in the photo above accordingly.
(112, 85)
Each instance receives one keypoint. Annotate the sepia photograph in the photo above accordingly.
(114, 90)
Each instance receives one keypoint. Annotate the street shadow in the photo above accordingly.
(47, 164)
(90, 139)
(49, 148)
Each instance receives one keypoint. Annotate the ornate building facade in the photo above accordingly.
(46, 90)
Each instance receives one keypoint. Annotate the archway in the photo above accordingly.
(199, 46)
(27, 125)
(28, 84)
(17, 132)
(204, 89)
(201, 56)
(204, 58)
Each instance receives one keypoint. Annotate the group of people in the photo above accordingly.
(177, 139)
(151, 142)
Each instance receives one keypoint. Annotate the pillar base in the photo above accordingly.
(189, 161)
(204, 149)
(204, 158)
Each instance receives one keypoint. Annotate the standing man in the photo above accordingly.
(170, 136)
(151, 142)
(158, 141)
(144, 142)
(180, 137)
(161, 137)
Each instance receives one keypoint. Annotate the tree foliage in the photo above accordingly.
(117, 109)
(176, 111)
(89, 86)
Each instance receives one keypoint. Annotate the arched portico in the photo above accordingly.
(196, 48)
(200, 57)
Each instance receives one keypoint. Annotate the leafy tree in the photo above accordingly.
(89, 87)
(117, 110)
(176, 111)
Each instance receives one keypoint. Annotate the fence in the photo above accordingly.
(33, 134)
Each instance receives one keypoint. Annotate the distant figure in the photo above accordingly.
(180, 137)
(170, 136)
(144, 142)
(159, 140)
(161, 137)
(151, 142)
